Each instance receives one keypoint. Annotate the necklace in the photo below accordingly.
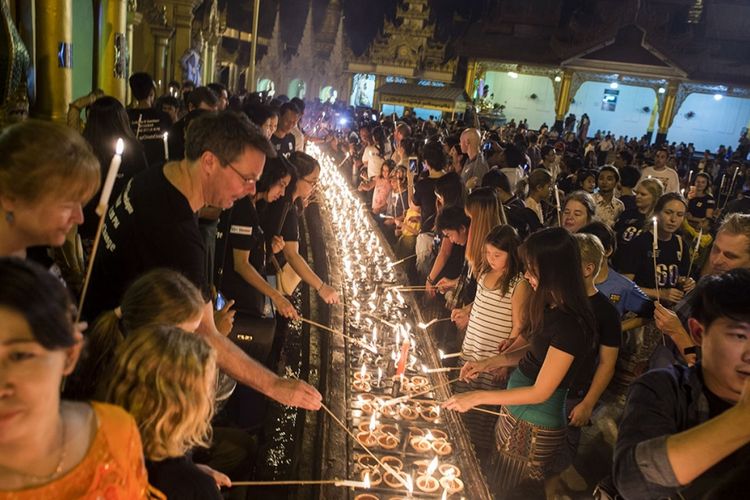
(58, 469)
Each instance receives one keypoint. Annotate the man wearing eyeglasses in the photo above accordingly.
(153, 223)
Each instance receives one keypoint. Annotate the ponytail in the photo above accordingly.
(98, 357)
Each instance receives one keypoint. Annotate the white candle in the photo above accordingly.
(557, 198)
(656, 238)
(109, 182)
(166, 146)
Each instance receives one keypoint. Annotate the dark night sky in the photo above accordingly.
(364, 18)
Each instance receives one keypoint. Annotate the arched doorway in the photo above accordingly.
(297, 88)
(266, 85)
(328, 94)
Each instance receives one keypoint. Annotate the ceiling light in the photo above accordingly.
(513, 74)
(718, 97)
(613, 85)
(662, 90)
(557, 78)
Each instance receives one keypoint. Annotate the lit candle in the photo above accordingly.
(380, 375)
(655, 244)
(109, 182)
(166, 146)
(401, 368)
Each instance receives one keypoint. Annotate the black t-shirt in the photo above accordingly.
(424, 197)
(177, 135)
(271, 221)
(562, 331)
(179, 478)
(525, 221)
(149, 126)
(609, 334)
(629, 201)
(698, 206)
(739, 206)
(150, 225)
(285, 145)
(672, 261)
(239, 229)
(133, 161)
(628, 226)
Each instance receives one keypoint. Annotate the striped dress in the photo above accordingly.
(491, 321)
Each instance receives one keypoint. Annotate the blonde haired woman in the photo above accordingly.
(631, 222)
(164, 377)
(484, 210)
(47, 174)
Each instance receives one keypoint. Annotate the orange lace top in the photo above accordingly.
(113, 468)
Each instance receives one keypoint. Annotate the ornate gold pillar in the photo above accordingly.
(652, 120)
(562, 103)
(667, 112)
(250, 79)
(113, 48)
(54, 59)
(162, 35)
(181, 16)
(471, 73)
(134, 19)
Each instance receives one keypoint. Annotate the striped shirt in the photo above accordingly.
(491, 321)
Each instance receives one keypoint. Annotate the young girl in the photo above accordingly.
(164, 377)
(701, 206)
(578, 210)
(53, 448)
(556, 339)
(159, 297)
(672, 258)
(380, 187)
(587, 180)
(631, 222)
(495, 316)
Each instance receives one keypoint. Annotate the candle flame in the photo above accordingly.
(119, 147)
(441, 353)
(410, 484)
(367, 480)
(373, 423)
(363, 370)
(429, 436)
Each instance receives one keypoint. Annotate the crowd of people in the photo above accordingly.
(555, 255)
(568, 266)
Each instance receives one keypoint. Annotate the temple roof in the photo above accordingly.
(709, 44)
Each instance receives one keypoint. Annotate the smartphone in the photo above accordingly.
(414, 164)
(220, 302)
(487, 146)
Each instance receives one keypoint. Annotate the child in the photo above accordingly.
(495, 316)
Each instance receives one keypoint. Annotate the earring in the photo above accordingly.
(9, 217)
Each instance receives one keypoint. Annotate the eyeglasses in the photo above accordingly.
(245, 180)
(312, 184)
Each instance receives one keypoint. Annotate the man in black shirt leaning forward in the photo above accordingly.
(685, 429)
(153, 223)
